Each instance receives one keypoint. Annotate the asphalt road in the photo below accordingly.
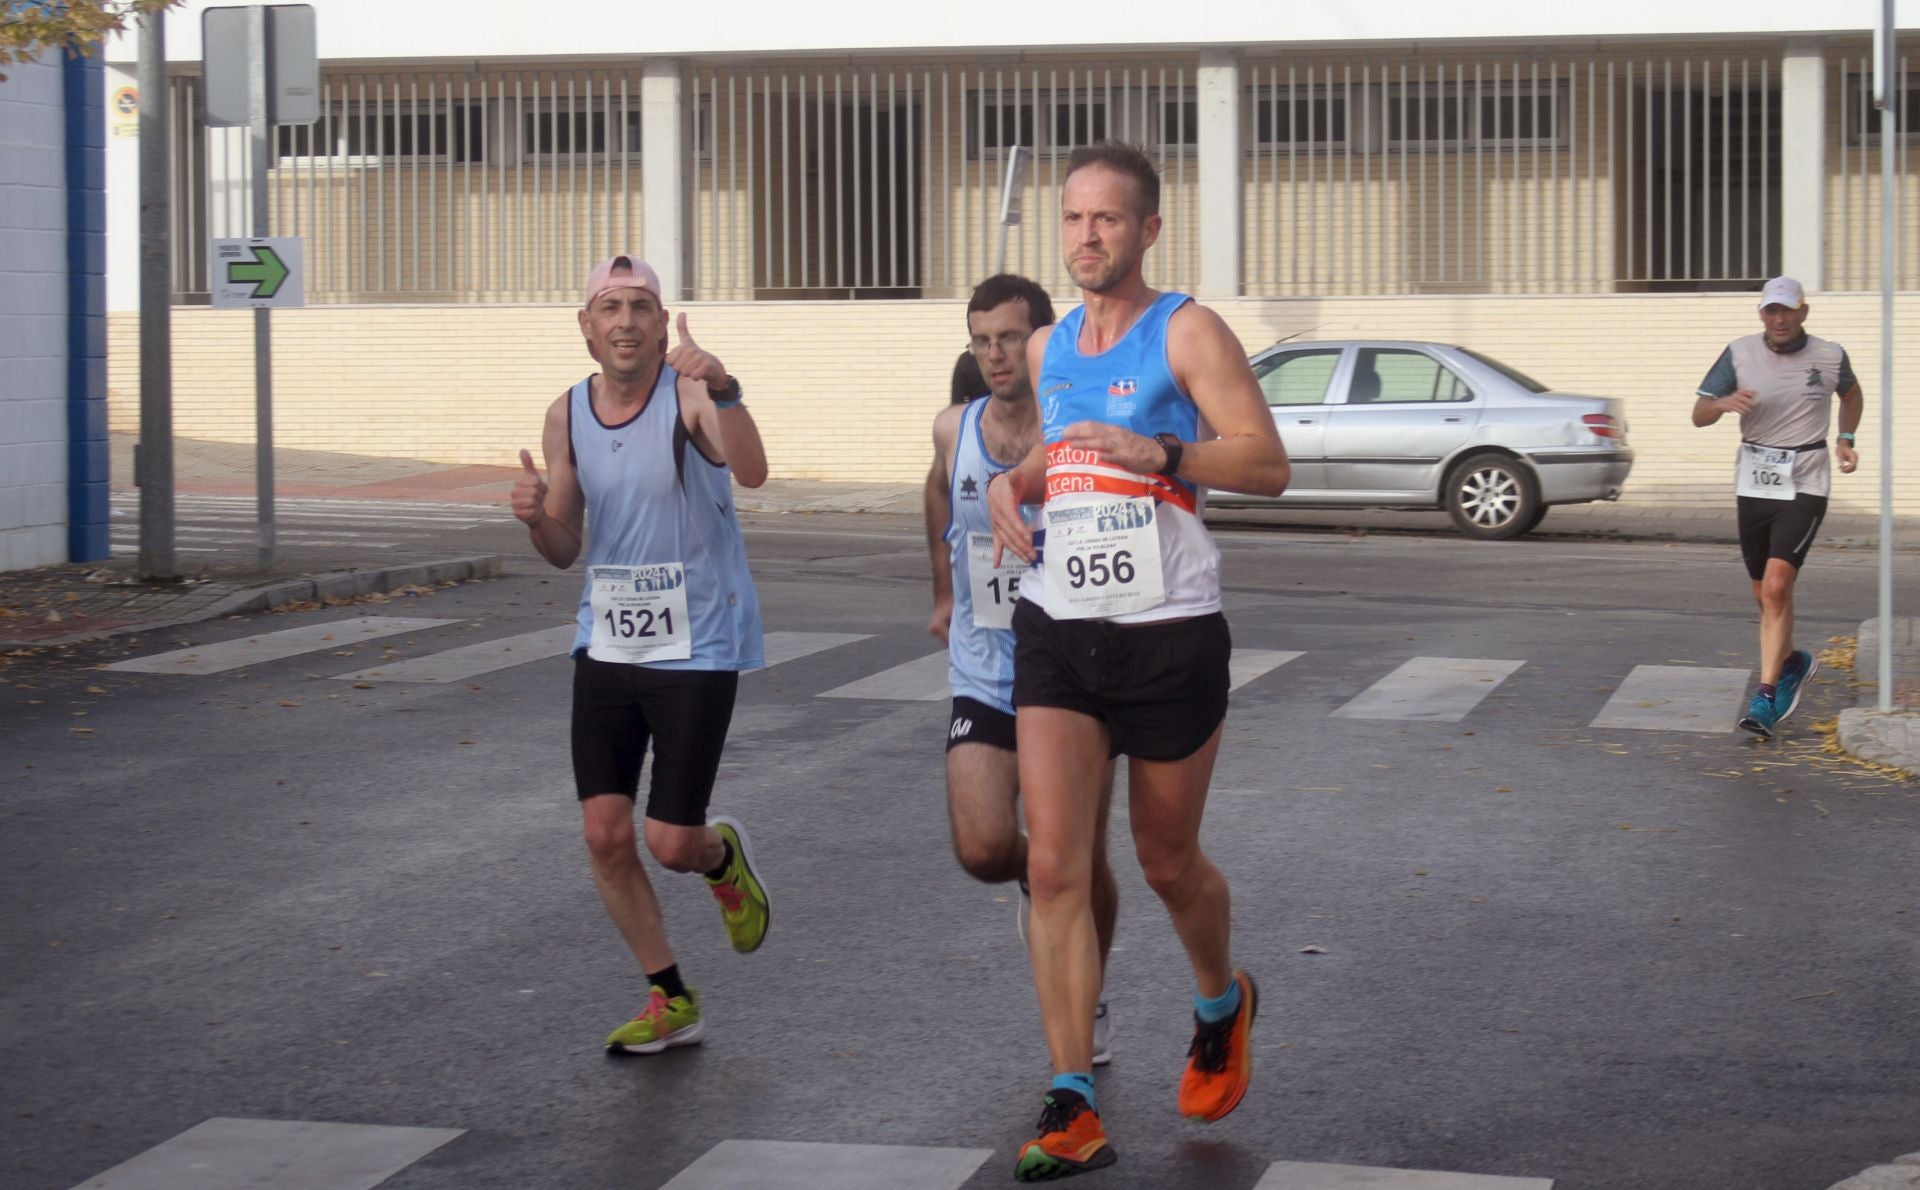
(1518, 942)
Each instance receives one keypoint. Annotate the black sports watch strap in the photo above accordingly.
(1174, 448)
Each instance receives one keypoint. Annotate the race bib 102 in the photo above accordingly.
(1765, 472)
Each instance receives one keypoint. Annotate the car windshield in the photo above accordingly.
(1520, 378)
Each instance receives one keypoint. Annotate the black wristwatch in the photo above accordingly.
(727, 397)
(1174, 448)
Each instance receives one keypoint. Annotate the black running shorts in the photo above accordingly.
(617, 708)
(976, 722)
(1778, 529)
(1160, 688)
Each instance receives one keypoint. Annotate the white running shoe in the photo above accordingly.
(1102, 1035)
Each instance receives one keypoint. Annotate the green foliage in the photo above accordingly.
(28, 28)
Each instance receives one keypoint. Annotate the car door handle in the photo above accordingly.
(1452, 420)
(1307, 421)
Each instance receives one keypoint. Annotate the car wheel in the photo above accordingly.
(1492, 497)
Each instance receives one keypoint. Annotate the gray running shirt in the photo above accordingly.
(1792, 398)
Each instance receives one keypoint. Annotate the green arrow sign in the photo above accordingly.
(266, 271)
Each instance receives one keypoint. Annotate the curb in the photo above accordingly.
(1880, 737)
(1902, 1174)
(333, 584)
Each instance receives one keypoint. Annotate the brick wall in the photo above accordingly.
(847, 391)
(33, 317)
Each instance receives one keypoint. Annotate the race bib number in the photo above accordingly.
(994, 588)
(1103, 559)
(1765, 472)
(639, 613)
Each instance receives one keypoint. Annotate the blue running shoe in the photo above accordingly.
(1760, 717)
(1800, 666)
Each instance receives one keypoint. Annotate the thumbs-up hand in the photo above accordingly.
(529, 493)
(689, 359)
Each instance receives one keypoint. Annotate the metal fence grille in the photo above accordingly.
(1535, 175)
(1420, 174)
(1853, 187)
(886, 181)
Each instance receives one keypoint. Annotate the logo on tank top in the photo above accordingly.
(617, 444)
(969, 490)
(1120, 396)
(1814, 379)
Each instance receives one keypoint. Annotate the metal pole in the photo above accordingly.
(1889, 99)
(258, 137)
(153, 455)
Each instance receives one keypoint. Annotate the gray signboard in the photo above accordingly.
(293, 65)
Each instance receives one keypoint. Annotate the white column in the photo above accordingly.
(663, 173)
(123, 197)
(1218, 88)
(1803, 164)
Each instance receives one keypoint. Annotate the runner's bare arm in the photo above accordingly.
(1853, 406)
(1707, 410)
(938, 501)
(553, 509)
(1209, 363)
(730, 436)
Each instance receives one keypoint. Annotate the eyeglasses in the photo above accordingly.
(1009, 343)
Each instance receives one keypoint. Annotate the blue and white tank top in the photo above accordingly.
(1131, 385)
(979, 660)
(647, 506)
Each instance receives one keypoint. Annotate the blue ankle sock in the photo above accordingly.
(1220, 1007)
(1079, 1084)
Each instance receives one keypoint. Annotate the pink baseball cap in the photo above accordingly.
(625, 271)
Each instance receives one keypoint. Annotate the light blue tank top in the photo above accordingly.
(979, 660)
(646, 506)
(1130, 384)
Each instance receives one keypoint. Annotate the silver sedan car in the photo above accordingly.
(1401, 424)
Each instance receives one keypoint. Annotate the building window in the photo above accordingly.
(1303, 117)
(1863, 119)
(1466, 115)
(369, 133)
(1043, 124)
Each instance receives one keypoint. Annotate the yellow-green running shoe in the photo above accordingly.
(744, 907)
(662, 1024)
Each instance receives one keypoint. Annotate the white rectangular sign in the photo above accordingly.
(257, 271)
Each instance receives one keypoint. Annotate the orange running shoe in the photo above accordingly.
(1071, 1141)
(1220, 1060)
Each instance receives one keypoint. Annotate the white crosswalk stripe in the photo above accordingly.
(1248, 664)
(1437, 689)
(1676, 698)
(1298, 1175)
(230, 1154)
(274, 646)
(204, 524)
(808, 1165)
(1430, 688)
(470, 661)
(924, 679)
(782, 647)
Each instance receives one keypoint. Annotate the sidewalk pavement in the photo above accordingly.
(57, 605)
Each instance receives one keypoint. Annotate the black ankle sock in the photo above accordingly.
(726, 860)
(668, 981)
(1767, 688)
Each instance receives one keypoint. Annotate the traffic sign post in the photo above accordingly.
(262, 68)
(261, 272)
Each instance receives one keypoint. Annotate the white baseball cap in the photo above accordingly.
(1783, 291)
